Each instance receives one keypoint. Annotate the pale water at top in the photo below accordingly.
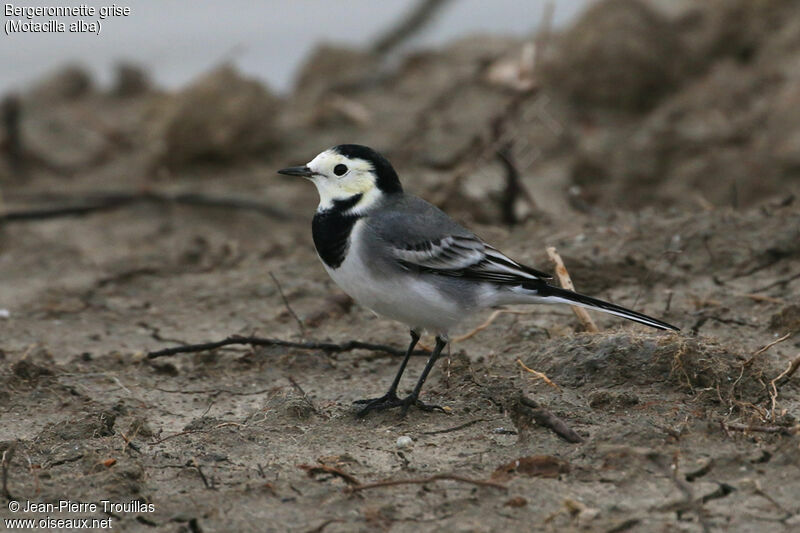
(176, 40)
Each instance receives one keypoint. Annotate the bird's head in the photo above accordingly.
(348, 170)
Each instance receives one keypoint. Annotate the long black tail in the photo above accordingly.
(573, 298)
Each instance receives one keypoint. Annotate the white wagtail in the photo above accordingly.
(404, 258)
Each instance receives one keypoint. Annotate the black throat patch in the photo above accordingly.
(331, 230)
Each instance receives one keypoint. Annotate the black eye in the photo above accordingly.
(339, 169)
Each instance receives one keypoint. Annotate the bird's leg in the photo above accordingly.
(413, 398)
(390, 399)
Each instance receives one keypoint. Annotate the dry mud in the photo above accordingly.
(662, 203)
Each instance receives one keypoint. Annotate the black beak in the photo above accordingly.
(303, 171)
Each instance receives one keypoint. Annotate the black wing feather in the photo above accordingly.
(468, 258)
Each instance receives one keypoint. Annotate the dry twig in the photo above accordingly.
(93, 203)
(514, 187)
(780, 282)
(749, 362)
(410, 25)
(488, 322)
(779, 380)
(129, 441)
(302, 392)
(328, 347)
(767, 347)
(566, 282)
(450, 430)
(539, 375)
(10, 110)
(313, 470)
(287, 306)
(759, 429)
(425, 480)
(195, 464)
(764, 298)
(192, 431)
(324, 524)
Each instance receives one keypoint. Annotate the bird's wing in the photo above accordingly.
(464, 256)
(420, 237)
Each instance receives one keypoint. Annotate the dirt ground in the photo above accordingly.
(681, 203)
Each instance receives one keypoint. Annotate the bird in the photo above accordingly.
(404, 258)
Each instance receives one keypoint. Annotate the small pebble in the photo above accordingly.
(405, 442)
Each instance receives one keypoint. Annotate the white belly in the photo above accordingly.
(405, 298)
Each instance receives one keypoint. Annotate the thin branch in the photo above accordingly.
(423, 481)
(514, 187)
(288, 307)
(302, 392)
(313, 470)
(328, 347)
(566, 282)
(488, 322)
(779, 380)
(786, 374)
(10, 109)
(766, 347)
(459, 427)
(182, 433)
(324, 524)
(784, 281)
(193, 431)
(215, 392)
(409, 26)
(93, 203)
(195, 464)
(540, 375)
(760, 429)
(763, 298)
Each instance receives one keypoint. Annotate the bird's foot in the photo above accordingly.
(390, 401)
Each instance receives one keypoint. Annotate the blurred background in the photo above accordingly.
(176, 41)
(675, 102)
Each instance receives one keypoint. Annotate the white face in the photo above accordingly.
(338, 177)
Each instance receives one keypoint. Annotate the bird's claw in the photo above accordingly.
(390, 401)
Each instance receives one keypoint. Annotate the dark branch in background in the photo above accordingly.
(20, 157)
(781, 282)
(498, 137)
(106, 202)
(512, 189)
(12, 144)
(327, 347)
(410, 25)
